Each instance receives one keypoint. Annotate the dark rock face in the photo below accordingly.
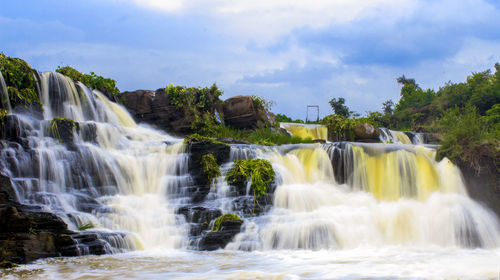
(219, 239)
(483, 184)
(365, 132)
(241, 112)
(154, 107)
(27, 233)
(196, 151)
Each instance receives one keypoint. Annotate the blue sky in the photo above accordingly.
(293, 52)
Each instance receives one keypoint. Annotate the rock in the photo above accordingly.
(365, 132)
(240, 112)
(219, 239)
(27, 233)
(433, 138)
(196, 151)
(62, 129)
(483, 179)
(14, 129)
(154, 107)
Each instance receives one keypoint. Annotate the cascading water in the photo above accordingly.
(4, 95)
(399, 137)
(115, 175)
(353, 209)
(312, 131)
(385, 195)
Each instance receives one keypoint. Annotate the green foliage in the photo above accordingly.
(259, 171)
(262, 103)
(92, 80)
(56, 123)
(226, 217)
(20, 80)
(261, 136)
(388, 107)
(339, 108)
(210, 167)
(3, 113)
(466, 134)
(31, 230)
(285, 118)
(86, 226)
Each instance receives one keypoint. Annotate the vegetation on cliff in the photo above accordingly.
(259, 171)
(20, 80)
(210, 167)
(92, 80)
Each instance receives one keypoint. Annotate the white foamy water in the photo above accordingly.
(361, 263)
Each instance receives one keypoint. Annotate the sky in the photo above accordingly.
(293, 52)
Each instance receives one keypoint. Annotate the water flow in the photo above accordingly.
(4, 95)
(312, 131)
(390, 195)
(116, 175)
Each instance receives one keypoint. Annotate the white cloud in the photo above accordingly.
(263, 21)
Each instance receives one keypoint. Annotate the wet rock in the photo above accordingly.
(219, 239)
(196, 150)
(28, 233)
(14, 129)
(199, 214)
(241, 112)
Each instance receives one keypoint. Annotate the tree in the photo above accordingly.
(404, 81)
(339, 108)
(387, 107)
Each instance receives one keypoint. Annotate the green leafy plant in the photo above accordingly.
(210, 167)
(92, 80)
(262, 102)
(259, 171)
(226, 217)
(20, 80)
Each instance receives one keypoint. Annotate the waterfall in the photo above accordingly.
(130, 180)
(116, 175)
(382, 195)
(312, 131)
(4, 95)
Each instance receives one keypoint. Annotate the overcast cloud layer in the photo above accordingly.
(293, 52)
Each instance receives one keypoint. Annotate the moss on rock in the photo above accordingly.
(226, 217)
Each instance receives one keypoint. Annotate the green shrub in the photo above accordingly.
(92, 80)
(465, 136)
(259, 171)
(20, 80)
(262, 103)
(226, 217)
(210, 167)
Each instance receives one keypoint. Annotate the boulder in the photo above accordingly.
(154, 107)
(241, 112)
(138, 102)
(214, 240)
(365, 132)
